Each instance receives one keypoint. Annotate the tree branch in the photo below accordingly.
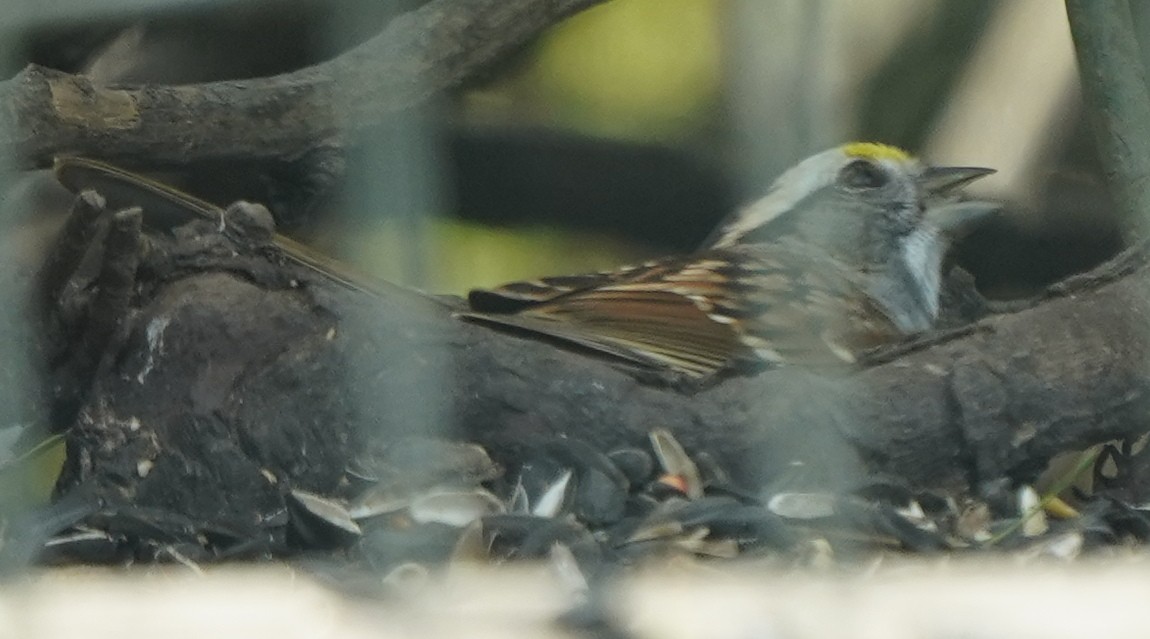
(420, 53)
(1115, 91)
(238, 364)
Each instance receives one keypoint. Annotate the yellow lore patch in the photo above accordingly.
(875, 151)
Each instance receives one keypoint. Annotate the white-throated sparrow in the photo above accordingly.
(844, 253)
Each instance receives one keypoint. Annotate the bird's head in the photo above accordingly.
(877, 210)
(857, 202)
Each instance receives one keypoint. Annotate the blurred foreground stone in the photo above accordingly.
(1104, 598)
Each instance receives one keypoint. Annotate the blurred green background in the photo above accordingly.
(632, 128)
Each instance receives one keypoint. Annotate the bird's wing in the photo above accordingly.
(638, 314)
(697, 315)
(517, 296)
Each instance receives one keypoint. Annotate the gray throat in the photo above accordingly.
(908, 287)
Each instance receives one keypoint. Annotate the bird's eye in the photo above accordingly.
(862, 174)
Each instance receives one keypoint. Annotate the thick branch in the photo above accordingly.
(230, 369)
(420, 53)
(1114, 87)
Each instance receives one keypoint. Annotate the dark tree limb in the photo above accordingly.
(419, 54)
(240, 374)
(1115, 91)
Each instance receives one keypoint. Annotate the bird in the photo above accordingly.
(844, 253)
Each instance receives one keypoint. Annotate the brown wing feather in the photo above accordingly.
(650, 328)
(701, 313)
(657, 325)
(515, 296)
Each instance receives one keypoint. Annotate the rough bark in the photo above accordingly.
(419, 54)
(236, 374)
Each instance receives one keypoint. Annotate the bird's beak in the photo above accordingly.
(943, 180)
(950, 215)
(956, 219)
